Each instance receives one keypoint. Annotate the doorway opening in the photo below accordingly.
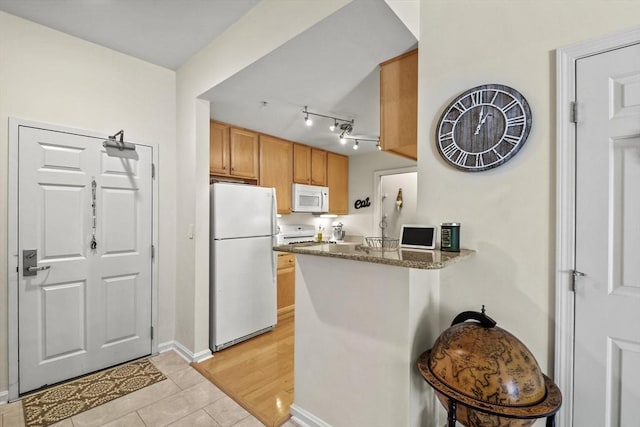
(396, 192)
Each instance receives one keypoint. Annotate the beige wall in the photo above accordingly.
(507, 214)
(267, 26)
(47, 76)
(361, 185)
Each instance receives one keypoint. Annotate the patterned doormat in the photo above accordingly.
(63, 401)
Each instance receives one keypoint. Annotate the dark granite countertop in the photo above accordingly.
(420, 259)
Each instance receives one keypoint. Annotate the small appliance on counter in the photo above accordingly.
(338, 232)
(417, 236)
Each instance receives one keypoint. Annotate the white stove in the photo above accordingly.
(296, 233)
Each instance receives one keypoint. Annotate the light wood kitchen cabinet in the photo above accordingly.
(338, 183)
(286, 278)
(276, 169)
(218, 148)
(399, 105)
(318, 167)
(309, 165)
(232, 151)
(243, 153)
(301, 164)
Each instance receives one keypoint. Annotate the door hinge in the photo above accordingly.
(574, 275)
(152, 332)
(153, 170)
(153, 251)
(574, 112)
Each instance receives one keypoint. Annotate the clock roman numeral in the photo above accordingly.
(509, 106)
(493, 100)
(516, 121)
(496, 153)
(450, 150)
(447, 135)
(476, 98)
(479, 160)
(460, 106)
(462, 158)
(511, 139)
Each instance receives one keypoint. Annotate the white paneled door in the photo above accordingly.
(607, 297)
(84, 306)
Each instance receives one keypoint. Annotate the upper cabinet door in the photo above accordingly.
(318, 167)
(276, 169)
(338, 183)
(218, 148)
(301, 164)
(399, 105)
(243, 147)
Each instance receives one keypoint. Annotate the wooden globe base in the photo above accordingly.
(471, 412)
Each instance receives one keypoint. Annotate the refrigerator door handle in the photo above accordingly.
(274, 263)
(274, 211)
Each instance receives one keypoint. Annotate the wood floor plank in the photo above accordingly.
(258, 373)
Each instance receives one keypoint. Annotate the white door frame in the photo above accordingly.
(565, 205)
(13, 256)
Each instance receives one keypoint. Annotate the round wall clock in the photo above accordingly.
(483, 127)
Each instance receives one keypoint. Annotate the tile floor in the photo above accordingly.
(184, 399)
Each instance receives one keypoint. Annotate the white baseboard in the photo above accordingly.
(184, 352)
(304, 418)
(4, 396)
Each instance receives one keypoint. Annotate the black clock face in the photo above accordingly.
(483, 127)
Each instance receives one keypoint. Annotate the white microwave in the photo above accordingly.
(310, 198)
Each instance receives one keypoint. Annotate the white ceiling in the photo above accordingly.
(163, 32)
(332, 67)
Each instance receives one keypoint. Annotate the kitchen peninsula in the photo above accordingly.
(363, 317)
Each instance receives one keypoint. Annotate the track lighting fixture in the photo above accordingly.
(356, 141)
(346, 130)
(337, 121)
(343, 125)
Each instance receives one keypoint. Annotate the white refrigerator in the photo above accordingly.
(242, 274)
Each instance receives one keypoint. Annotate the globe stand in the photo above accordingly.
(453, 406)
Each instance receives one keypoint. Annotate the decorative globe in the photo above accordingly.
(491, 375)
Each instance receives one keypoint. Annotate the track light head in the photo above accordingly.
(355, 146)
(378, 146)
(346, 128)
(307, 119)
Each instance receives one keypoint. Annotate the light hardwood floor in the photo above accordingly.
(258, 373)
